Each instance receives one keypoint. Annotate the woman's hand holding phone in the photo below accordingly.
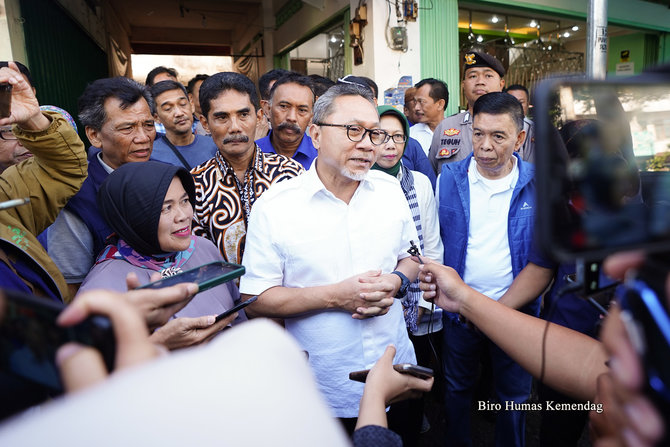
(184, 332)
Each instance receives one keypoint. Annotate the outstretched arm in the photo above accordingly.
(562, 358)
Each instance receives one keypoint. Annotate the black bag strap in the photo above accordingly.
(177, 153)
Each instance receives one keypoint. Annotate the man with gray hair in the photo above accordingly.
(327, 251)
(116, 113)
(486, 207)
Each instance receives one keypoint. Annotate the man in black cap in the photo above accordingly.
(452, 138)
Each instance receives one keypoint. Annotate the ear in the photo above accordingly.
(205, 124)
(190, 101)
(156, 118)
(442, 104)
(265, 105)
(519, 140)
(93, 136)
(259, 114)
(315, 135)
(502, 84)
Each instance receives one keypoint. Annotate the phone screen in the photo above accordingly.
(206, 276)
(602, 167)
(30, 337)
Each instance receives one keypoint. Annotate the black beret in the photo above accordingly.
(475, 59)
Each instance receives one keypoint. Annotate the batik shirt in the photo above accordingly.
(223, 202)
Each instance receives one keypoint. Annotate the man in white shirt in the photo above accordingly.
(430, 100)
(327, 250)
(486, 210)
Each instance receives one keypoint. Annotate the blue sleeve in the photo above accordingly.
(374, 435)
(415, 159)
(537, 256)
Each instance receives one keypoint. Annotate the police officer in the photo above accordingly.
(452, 139)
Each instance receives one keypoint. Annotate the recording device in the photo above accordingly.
(603, 184)
(206, 276)
(602, 167)
(30, 337)
(235, 308)
(5, 99)
(404, 368)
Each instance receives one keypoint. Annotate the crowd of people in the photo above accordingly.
(371, 236)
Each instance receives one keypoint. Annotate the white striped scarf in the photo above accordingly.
(411, 301)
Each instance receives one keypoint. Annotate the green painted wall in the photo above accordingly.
(633, 42)
(664, 48)
(439, 47)
(644, 51)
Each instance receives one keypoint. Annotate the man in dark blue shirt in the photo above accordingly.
(291, 102)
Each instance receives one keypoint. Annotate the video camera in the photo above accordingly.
(603, 182)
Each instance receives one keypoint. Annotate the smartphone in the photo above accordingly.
(602, 175)
(30, 337)
(235, 308)
(405, 368)
(206, 276)
(5, 99)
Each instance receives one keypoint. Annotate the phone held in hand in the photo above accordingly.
(30, 337)
(235, 308)
(206, 276)
(404, 368)
(5, 99)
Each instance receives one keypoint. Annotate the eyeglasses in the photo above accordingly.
(7, 134)
(356, 133)
(398, 138)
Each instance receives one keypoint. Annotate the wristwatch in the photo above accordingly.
(404, 284)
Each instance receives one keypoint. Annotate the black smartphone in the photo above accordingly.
(5, 99)
(30, 337)
(602, 175)
(206, 276)
(405, 368)
(235, 308)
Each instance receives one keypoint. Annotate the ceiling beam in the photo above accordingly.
(180, 35)
(181, 49)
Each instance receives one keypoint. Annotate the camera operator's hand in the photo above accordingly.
(81, 366)
(628, 416)
(25, 110)
(158, 305)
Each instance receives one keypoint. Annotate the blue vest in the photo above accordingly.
(85, 204)
(454, 215)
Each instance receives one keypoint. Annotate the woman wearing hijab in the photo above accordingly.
(149, 206)
(419, 194)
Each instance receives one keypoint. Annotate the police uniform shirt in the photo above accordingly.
(452, 141)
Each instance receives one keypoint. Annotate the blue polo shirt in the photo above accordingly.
(305, 154)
